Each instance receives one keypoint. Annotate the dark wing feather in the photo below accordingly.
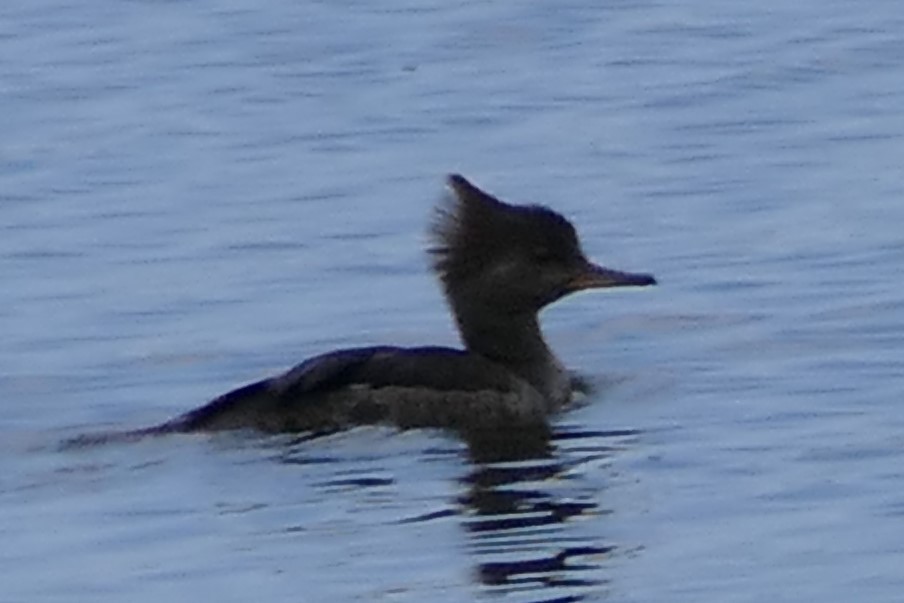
(344, 387)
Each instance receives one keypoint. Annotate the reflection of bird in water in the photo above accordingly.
(521, 515)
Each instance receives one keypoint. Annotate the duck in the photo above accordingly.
(499, 265)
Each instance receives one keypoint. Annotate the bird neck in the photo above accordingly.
(514, 340)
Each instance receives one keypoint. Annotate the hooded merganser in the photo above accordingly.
(499, 265)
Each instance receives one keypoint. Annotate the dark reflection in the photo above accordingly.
(532, 515)
(491, 446)
(522, 498)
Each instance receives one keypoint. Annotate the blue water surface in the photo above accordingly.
(194, 195)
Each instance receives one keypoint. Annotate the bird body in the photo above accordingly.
(499, 265)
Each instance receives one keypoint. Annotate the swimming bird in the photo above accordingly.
(499, 264)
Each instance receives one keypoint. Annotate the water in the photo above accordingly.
(194, 195)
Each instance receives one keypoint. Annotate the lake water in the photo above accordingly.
(194, 195)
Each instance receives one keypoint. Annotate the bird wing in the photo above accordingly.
(426, 386)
